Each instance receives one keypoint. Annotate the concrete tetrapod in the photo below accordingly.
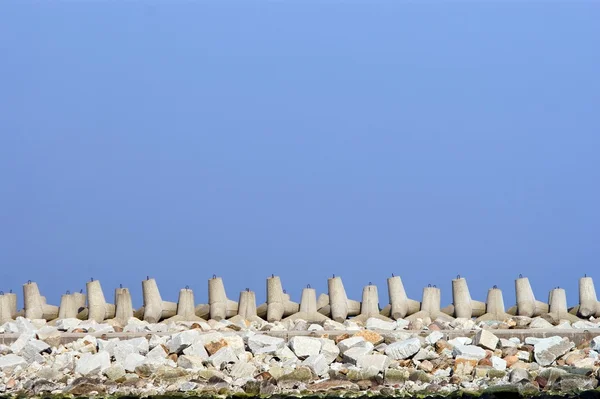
(494, 306)
(400, 305)
(462, 304)
(369, 307)
(308, 308)
(123, 306)
(220, 306)
(186, 310)
(430, 306)
(527, 305)
(557, 298)
(12, 303)
(155, 309)
(98, 309)
(588, 302)
(247, 308)
(336, 304)
(68, 307)
(35, 304)
(5, 312)
(279, 304)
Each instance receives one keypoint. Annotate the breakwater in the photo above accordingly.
(334, 305)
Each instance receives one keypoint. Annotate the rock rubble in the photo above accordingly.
(86, 358)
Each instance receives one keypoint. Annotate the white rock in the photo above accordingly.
(403, 349)
(157, 353)
(182, 340)
(329, 349)
(236, 343)
(460, 341)
(485, 339)
(352, 355)
(315, 327)
(434, 337)
(402, 324)
(523, 355)
(284, 353)
(140, 344)
(538, 322)
(9, 362)
(223, 355)
(330, 325)
(47, 332)
(304, 347)
(377, 324)
(351, 342)
(380, 362)
(133, 360)
(507, 343)
(197, 350)
(89, 364)
(317, 363)
(32, 348)
(351, 326)
(498, 363)
(469, 352)
(19, 344)
(259, 341)
(584, 325)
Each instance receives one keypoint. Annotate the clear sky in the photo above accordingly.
(185, 139)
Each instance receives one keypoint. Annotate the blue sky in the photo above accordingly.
(185, 139)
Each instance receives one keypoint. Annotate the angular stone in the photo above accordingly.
(370, 336)
(197, 350)
(317, 364)
(485, 339)
(32, 348)
(213, 346)
(469, 352)
(304, 347)
(434, 337)
(403, 349)
(547, 350)
(242, 370)
(182, 340)
(498, 363)
(352, 355)
(329, 349)
(259, 341)
(538, 322)
(133, 360)
(395, 376)
(190, 362)
(90, 364)
(223, 355)
(380, 362)
(9, 362)
(115, 373)
(377, 324)
(517, 375)
(236, 343)
(351, 342)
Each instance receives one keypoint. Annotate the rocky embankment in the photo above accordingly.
(220, 358)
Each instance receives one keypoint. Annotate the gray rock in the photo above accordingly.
(115, 373)
(182, 340)
(34, 347)
(403, 349)
(518, 375)
(189, 362)
(538, 322)
(187, 386)
(242, 370)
